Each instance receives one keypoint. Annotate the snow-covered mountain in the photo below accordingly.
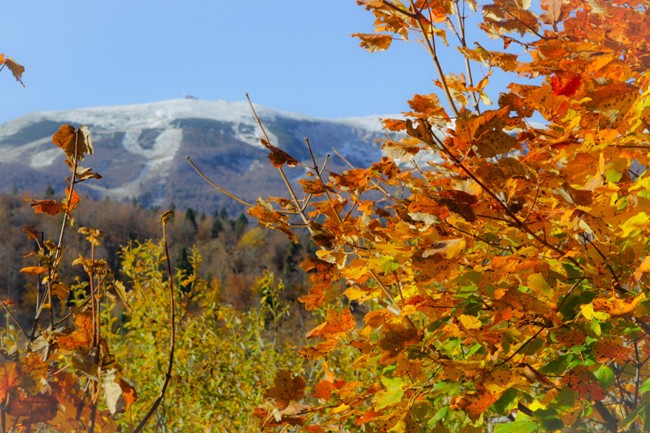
(140, 150)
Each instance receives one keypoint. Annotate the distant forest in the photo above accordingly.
(235, 251)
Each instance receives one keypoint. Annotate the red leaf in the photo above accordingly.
(565, 85)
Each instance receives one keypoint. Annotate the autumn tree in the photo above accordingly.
(501, 247)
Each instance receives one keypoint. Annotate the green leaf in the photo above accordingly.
(605, 376)
(393, 394)
(645, 386)
(507, 402)
(522, 424)
(548, 419)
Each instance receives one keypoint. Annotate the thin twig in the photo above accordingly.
(430, 45)
(296, 202)
(217, 187)
(463, 42)
(6, 307)
(172, 327)
(518, 223)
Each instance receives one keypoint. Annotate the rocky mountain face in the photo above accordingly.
(141, 150)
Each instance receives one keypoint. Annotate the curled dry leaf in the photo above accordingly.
(279, 157)
(16, 69)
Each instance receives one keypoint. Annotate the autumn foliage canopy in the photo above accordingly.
(499, 253)
(489, 274)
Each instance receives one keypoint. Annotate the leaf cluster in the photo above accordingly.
(502, 252)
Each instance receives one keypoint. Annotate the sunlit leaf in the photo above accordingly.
(374, 42)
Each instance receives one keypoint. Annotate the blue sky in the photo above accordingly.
(295, 55)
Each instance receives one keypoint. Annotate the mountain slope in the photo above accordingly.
(140, 150)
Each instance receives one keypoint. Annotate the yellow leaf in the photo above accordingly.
(639, 221)
(340, 408)
(537, 283)
(470, 322)
(589, 313)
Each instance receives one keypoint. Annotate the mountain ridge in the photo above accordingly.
(140, 149)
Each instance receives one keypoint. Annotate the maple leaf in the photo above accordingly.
(286, 388)
(395, 339)
(565, 85)
(81, 337)
(323, 389)
(9, 379)
(427, 106)
(335, 323)
(36, 408)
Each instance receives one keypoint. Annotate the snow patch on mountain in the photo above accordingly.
(140, 145)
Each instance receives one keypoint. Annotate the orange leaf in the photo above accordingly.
(14, 67)
(82, 336)
(394, 124)
(616, 307)
(31, 232)
(9, 379)
(323, 390)
(318, 351)
(50, 207)
(35, 408)
(373, 42)
(74, 199)
(36, 270)
(585, 383)
(335, 323)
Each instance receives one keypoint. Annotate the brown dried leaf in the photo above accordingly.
(286, 388)
(16, 69)
(76, 143)
(50, 207)
(278, 157)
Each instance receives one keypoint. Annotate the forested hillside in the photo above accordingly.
(235, 252)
